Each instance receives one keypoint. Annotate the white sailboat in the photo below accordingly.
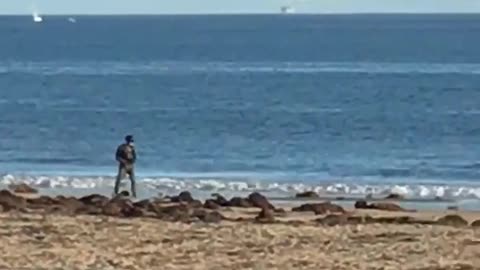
(36, 17)
(287, 10)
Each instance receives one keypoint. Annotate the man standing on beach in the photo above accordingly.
(126, 158)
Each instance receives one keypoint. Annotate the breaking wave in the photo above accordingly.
(170, 185)
(106, 68)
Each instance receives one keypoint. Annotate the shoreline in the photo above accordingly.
(424, 194)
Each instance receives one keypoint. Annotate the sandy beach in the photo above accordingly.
(371, 239)
(33, 242)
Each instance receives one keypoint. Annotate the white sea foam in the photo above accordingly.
(178, 67)
(167, 185)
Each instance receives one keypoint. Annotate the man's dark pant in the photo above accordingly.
(122, 172)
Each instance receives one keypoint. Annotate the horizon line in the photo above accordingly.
(246, 13)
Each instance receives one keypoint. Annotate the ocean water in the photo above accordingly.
(341, 104)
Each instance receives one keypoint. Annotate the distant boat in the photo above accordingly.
(37, 18)
(72, 20)
(287, 10)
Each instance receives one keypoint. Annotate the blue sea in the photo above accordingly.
(339, 104)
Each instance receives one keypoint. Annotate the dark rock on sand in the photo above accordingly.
(171, 210)
(379, 206)
(476, 223)
(143, 204)
(304, 208)
(196, 204)
(95, 200)
(149, 207)
(260, 201)
(22, 188)
(121, 207)
(124, 193)
(265, 216)
(184, 196)
(307, 194)
(393, 220)
(64, 205)
(211, 204)
(113, 209)
(401, 220)
(387, 207)
(220, 200)
(177, 213)
(9, 201)
(131, 212)
(319, 208)
(41, 201)
(70, 204)
(362, 204)
(254, 200)
(89, 210)
(240, 202)
(452, 220)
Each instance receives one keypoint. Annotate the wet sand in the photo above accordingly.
(295, 241)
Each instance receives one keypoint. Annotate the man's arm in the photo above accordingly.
(134, 154)
(119, 156)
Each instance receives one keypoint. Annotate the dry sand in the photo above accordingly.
(29, 241)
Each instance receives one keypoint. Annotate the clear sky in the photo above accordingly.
(233, 6)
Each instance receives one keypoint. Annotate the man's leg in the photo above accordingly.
(131, 173)
(120, 175)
